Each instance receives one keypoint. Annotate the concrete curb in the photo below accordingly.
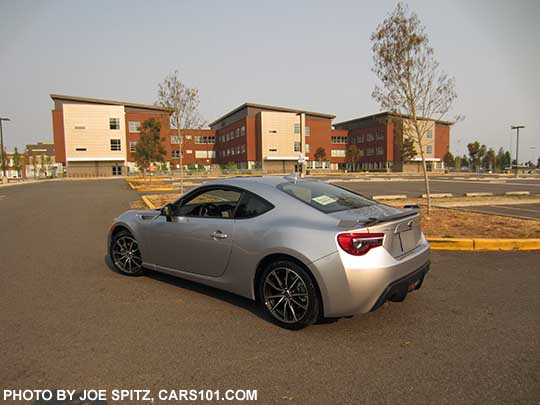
(390, 197)
(479, 194)
(484, 244)
(148, 203)
(517, 193)
(438, 195)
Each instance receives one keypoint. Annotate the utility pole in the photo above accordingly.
(2, 146)
(517, 128)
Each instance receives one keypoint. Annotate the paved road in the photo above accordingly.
(527, 211)
(67, 321)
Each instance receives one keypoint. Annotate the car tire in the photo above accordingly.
(288, 295)
(125, 254)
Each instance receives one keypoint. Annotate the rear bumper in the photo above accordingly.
(397, 290)
(350, 285)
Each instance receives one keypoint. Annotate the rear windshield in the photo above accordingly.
(325, 197)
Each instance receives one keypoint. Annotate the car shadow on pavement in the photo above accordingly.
(225, 296)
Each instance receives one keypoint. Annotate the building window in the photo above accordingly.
(189, 151)
(117, 170)
(243, 131)
(237, 132)
(339, 139)
(175, 153)
(114, 123)
(116, 145)
(429, 149)
(203, 140)
(307, 147)
(212, 154)
(369, 137)
(370, 151)
(188, 136)
(360, 139)
(272, 150)
(429, 134)
(297, 147)
(296, 128)
(308, 131)
(380, 150)
(134, 126)
(201, 154)
(337, 153)
(175, 139)
(379, 136)
(132, 146)
(243, 148)
(80, 149)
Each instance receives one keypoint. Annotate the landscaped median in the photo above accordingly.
(450, 229)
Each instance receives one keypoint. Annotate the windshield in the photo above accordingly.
(325, 197)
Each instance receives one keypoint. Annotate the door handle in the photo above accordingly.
(219, 235)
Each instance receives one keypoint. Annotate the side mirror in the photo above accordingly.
(167, 211)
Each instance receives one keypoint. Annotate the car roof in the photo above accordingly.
(265, 186)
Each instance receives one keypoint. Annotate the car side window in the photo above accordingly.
(214, 203)
(252, 206)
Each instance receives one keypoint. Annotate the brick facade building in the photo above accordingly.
(98, 137)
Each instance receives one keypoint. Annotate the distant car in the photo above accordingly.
(303, 249)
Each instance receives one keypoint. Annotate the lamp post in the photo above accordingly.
(517, 128)
(2, 146)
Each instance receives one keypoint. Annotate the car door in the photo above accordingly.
(198, 237)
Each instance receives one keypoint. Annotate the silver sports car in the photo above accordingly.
(304, 249)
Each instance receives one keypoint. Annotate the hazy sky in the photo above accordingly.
(303, 54)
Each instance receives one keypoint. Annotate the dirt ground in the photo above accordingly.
(445, 222)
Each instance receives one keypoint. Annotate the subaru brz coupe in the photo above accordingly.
(303, 249)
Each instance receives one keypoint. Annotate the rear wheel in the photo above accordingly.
(288, 295)
(125, 254)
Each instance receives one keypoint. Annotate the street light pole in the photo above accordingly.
(517, 128)
(2, 146)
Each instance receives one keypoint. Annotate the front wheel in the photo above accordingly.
(125, 254)
(288, 295)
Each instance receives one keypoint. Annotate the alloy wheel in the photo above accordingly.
(286, 295)
(126, 254)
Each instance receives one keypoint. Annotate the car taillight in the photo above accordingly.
(359, 243)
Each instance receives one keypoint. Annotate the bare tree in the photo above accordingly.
(412, 83)
(352, 156)
(183, 104)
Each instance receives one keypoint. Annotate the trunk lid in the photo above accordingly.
(401, 228)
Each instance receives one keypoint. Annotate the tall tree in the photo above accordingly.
(320, 154)
(499, 159)
(352, 155)
(183, 103)
(457, 163)
(35, 165)
(412, 83)
(474, 151)
(149, 148)
(490, 159)
(448, 159)
(17, 162)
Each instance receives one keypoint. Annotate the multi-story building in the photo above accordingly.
(96, 137)
(271, 138)
(40, 161)
(379, 137)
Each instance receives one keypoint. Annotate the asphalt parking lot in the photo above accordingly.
(413, 187)
(470, 335)
(526, 211)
